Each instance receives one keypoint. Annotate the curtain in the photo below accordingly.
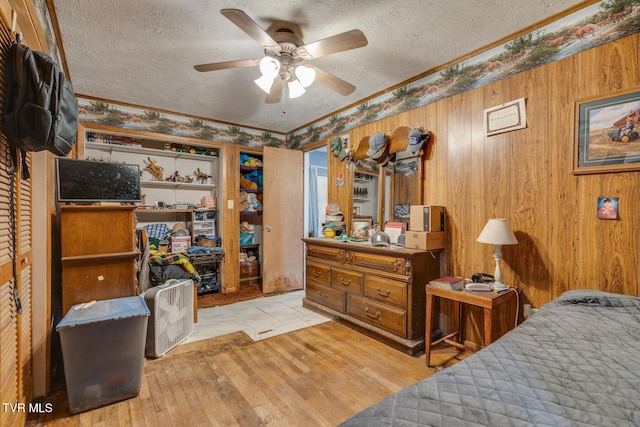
(313, 201)
(317, 199)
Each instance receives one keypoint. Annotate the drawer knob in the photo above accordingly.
(316, 273)
(345, 282)
(384, 294)
(374, 316)
(323, 295)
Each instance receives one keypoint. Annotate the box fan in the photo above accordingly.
(171, 321)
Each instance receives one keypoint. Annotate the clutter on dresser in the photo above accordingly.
(334, 221)
(426, 227)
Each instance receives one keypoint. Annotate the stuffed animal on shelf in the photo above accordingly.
(249, 202)
(245, 183)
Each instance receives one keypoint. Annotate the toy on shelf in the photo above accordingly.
(153, 167)
(248, 161)
(202, 177)
(249, 202)
(247, 184)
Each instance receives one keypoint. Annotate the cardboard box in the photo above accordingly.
(426, 218)
(424, 240)
(208, 202)
(180, 243)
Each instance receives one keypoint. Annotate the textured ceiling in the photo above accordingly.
(142, 52)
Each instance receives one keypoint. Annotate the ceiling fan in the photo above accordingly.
(284, 54)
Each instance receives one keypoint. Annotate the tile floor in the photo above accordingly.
(259, 318)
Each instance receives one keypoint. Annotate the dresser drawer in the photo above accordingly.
(346, 280)
(327, 296)
(249, 269)
(386, 263)
(319, 272)
(324, 252)
(383, 316)
(385, 290)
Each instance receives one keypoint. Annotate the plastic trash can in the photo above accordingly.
(103, 351)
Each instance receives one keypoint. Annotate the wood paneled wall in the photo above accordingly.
(526, 177)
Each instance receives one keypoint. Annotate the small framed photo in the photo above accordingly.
(607, 133)
(361, 226)
(401, 210)
(607, 208)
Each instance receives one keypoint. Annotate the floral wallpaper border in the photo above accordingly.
(125, 117)
(591, 26)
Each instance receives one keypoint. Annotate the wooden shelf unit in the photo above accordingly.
(142, 150)
(98, 253)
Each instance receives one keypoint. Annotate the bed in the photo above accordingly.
(576, 362)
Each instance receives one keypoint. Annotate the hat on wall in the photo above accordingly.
(417, 137)
(377, 145)
(337, 149)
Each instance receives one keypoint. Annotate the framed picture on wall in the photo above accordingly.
(607, 208)
(607, 133)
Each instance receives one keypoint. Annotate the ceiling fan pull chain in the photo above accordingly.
(284, 100)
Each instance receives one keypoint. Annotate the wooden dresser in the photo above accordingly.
(99, 253)
(376, 290)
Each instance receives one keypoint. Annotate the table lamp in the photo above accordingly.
(497, 232)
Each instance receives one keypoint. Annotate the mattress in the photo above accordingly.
(576, 362)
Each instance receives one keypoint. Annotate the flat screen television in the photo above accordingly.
(89, 181)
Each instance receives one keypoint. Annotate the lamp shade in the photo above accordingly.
(306, 75)
(265, 83)
(497, 232)
(295, 89)
(269, 66)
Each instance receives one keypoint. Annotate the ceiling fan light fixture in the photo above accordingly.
(295, 89)
(306, 75)
(269, 66)
(265, 83)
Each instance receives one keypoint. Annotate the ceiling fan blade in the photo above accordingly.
(274, 96)
(249, 26)
(226, 65)
(339, 43)
(333, 82)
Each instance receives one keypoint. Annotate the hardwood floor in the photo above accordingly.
(316, 376)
